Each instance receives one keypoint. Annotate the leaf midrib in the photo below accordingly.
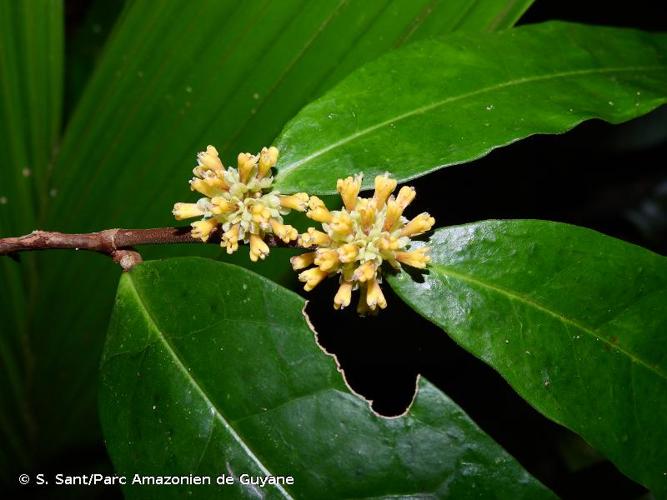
(446, 271)
(195, 385)
(423, 109)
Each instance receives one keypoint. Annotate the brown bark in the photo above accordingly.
(117, 243)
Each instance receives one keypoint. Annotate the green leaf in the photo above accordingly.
(257, 65)
(211, 369)
(439, 103)
(31, 73)
(85, 46)
(31, 86)
(573, 319)
(170, 81)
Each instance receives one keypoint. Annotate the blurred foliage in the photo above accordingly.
(31, 82)
(87, 28)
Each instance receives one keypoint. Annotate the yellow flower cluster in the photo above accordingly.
(357, 239)
(353, 244)
(240, 202)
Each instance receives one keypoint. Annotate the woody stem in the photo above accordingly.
(116, 243)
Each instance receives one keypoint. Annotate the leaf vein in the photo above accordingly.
(423, 109)
(544, 309)
(197, 387)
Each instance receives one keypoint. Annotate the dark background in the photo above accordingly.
(608, 178)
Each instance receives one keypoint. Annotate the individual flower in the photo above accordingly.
(239, 202)
(356, 240)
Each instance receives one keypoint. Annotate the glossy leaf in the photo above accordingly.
(573, 319)
(439, 103)
(170, 81)
(211, 369)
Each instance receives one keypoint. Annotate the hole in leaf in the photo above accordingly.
(378, 359)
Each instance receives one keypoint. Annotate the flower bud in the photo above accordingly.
(246, 162)
(312, 277)
(349, 190)
(298, 201)
(202, 229)
(302, 261)
(318, 211)
(384, 185)
(326, 259)
(258, 249)
(374, 296)
(209, 159)
(419, 225)
(415, 258)
(343, 296)
(268, 158)
(186, 211)
(284, 231)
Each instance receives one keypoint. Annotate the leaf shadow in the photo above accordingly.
(417, 275)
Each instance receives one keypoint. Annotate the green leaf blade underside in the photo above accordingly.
(573, 319)
(211, 369)
(439, 103)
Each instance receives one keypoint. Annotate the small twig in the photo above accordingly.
(117, 243)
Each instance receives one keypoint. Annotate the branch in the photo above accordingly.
(116, 243)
